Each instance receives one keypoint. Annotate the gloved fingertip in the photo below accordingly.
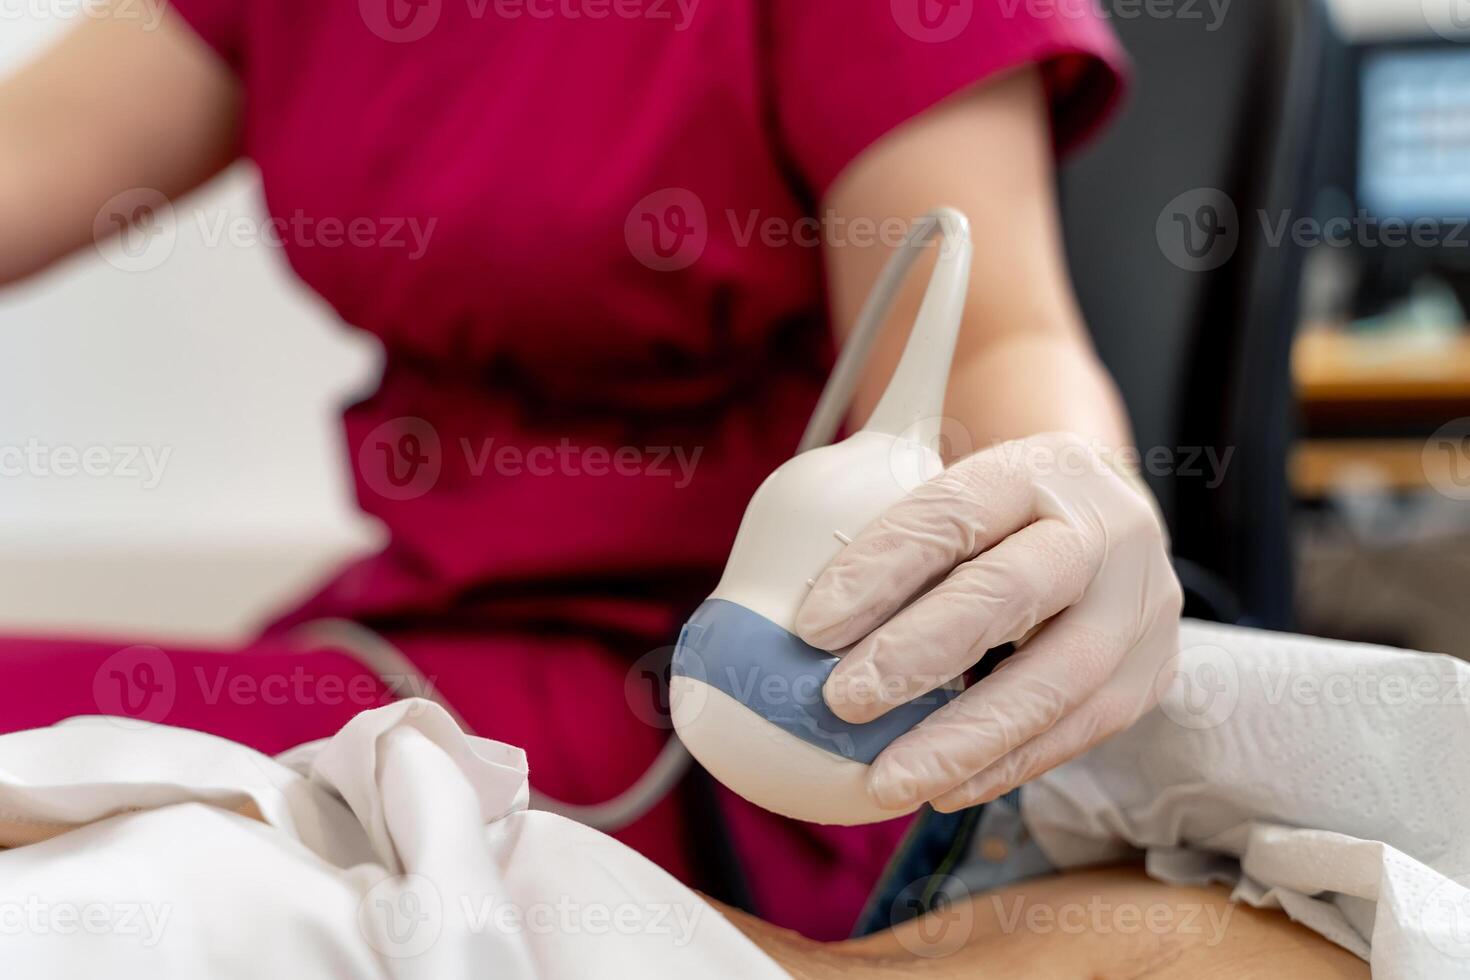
(958, 799)
(949, 803)
(819, 634)
(977, 790)
(892, 796)
(820, 622)
(892, 784)
(852, 692)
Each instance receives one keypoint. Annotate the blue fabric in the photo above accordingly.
(913, 882)
(1001, 851)
(947, 856)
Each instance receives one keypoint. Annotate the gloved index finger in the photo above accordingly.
(1029, 694)
(998, 597)
(914, 544)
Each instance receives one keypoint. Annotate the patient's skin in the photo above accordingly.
(1108, 924)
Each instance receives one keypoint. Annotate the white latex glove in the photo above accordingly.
(1037, 531)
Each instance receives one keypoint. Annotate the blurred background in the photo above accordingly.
(1271, 247)
(1272, 250)
(212, 384)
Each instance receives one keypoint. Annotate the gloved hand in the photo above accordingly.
(1037, 532)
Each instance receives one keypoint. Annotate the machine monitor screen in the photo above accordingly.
(1414, 134)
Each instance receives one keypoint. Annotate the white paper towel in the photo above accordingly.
(1329, 779)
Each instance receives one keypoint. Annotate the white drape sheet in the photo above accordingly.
(400, 848)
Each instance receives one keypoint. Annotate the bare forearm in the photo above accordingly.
(1024, 363)
(42, 219)
(1020, 386)
(122, 102)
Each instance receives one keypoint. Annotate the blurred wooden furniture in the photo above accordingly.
(1334, 365)
(1344, 377)
(1319, 466)
(1368, 402)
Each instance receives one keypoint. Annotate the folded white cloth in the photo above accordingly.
(400, 848)
(1329, 779)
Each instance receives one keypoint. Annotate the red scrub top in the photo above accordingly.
(582, 231)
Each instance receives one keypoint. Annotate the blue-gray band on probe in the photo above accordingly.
(780, 677)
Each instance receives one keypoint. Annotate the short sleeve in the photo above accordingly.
(845, 72)
(220, 23)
